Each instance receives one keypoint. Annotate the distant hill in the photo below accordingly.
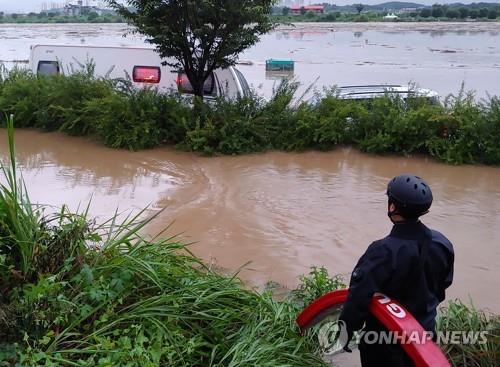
(473, 5)
(396, 5)
(392, 5)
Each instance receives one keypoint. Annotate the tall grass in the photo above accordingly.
(457, 316)
(79, 294)
(462, 130)
(73, 293)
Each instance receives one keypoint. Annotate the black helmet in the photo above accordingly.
(411, 195)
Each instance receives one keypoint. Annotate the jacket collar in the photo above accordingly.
(408, 230)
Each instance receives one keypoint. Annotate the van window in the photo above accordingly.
(146, 74)
(184, 85)
(47, 68)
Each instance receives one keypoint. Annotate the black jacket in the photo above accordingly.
(413, 265)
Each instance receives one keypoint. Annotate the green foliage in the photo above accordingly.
(461, 131)
(457, 316)
(110, 297)
(359, 8)
(206, 35)
(80, 104)
(136, 119)
(79, 294)
(351, 13)
(316, 284)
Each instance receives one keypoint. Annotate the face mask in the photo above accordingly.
(394, 212)
(389, 213)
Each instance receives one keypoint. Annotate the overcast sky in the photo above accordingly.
(25, 6)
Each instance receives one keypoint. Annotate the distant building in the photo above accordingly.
(391, 16)
(406, 10)
(76, 10)
(320, 9)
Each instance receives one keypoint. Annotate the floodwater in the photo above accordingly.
(438, 56)
(282, 212)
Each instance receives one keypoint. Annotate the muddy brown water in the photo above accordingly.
(279, 212)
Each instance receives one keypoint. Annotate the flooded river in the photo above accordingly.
(438, 56)
(283, 212)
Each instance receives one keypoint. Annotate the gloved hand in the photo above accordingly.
(346, 333)
(350, 335)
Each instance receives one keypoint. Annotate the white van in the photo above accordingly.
(141, 64)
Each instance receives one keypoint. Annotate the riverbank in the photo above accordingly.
(451, 26)
(459, 131)
(78, 293)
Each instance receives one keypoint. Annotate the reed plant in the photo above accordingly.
(75, 293)
(458, 316)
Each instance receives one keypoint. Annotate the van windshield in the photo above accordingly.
(243, 83)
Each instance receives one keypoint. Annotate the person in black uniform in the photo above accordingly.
(413, 265)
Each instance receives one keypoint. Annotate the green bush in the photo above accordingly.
(461, 131)
(77, 294)
(73, 293)
(316, 284)
(457, 316)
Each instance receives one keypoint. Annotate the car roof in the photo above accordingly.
(378, 90)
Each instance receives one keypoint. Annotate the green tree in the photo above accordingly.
(483, 12)
(14, 16)
(359, 8)
(425, 13)
(92, 16)
(492, 14)
(330, 17)
(474, 13)
(452, 13)
(437, 11)
(302, 10)
(310, 15)
(198, 36)
(464, 12)
(285, 11)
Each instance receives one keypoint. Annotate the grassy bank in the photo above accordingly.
(462, 130)
(77, 293)
(73, 293)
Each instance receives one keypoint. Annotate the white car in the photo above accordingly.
(367, 92)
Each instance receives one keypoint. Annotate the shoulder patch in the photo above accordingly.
(357, 274)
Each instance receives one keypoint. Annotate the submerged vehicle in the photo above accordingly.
(368, 92)
(141, 65)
